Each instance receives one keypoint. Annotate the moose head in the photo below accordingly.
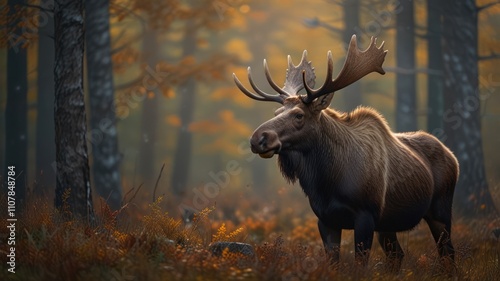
(294, 122)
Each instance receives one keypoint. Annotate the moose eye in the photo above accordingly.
(299, 116)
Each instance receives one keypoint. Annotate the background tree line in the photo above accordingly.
(107, 93)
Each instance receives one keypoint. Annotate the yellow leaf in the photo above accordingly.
(239, 22)
(173, 120)
(221, 233)
(168, 92)
(239, 47)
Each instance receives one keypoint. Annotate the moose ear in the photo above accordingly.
(322, 102)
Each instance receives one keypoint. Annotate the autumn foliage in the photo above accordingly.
(157, 246)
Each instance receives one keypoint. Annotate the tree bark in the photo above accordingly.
(73, 191)
(435, 81)
(462, 102)
(351, 94)
(187, 93)
(406, 118)
(16, 123)
(45, 146)
(104, 138)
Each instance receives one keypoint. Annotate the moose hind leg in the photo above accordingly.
(393, 251)
(331, 241)
(441, 232)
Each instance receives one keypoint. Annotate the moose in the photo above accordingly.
(356, 173)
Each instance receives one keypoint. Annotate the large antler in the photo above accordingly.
(357, 64)
(296, 76)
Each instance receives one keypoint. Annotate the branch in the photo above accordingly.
(491, 56)
(125, 45)
(412, 71)
(420, 32)
(118, 37)
(38, 7)
(331, 28)
(419, 27)
(157, 181)
(130, 12)
(132, 198)
(118, 49)
(316, 22)
(129, 84)
(424, 36)
(486, 6)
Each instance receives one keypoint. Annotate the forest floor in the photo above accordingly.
(153, 245)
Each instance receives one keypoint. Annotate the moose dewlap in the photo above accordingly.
(356, 173)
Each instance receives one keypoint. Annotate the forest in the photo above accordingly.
(125, 152)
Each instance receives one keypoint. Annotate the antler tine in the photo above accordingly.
(329, 73)
(262, 95)
(272, 83)
(294, 80)
(357, 64)
(244, 90)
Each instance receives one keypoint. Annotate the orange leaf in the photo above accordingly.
(173, 120)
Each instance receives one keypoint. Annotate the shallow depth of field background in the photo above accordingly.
(244, 197)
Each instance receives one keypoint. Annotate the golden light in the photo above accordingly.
(244, 9)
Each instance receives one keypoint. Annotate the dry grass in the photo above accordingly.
(157, 246)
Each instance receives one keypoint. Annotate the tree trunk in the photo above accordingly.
(406, 118)
(16, 126)
(73, 192)
(351, 94)
(435, 101)
(462, 103)
(149, 115)
(187, 93)
(45, 146)
(183, 150)
(260, 169)
(104, 138)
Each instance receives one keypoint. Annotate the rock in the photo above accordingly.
(233, 247)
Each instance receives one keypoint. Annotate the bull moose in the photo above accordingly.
(356, 173)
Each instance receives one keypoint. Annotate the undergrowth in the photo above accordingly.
(158, 246)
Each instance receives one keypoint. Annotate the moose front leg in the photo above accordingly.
(364, 226)
(331, 241)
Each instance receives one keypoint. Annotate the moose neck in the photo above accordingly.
(326, 153)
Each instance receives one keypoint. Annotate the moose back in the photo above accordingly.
(356, 173)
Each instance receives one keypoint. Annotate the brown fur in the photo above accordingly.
(359, 175)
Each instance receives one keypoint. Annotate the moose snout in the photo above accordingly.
(265, 143)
